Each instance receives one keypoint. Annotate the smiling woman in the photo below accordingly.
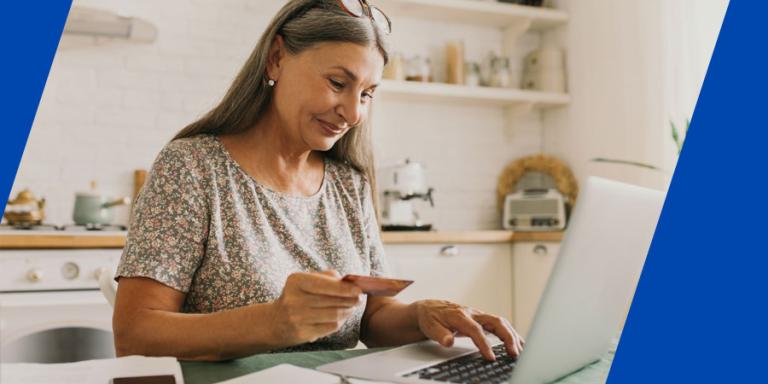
(250, 215)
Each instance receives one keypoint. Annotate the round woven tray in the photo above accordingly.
(552, 166)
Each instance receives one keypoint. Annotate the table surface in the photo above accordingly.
(214, 372)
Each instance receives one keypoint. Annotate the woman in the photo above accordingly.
(252, 214)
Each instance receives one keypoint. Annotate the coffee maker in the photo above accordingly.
(403, 185)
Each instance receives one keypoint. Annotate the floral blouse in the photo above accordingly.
(205, 227)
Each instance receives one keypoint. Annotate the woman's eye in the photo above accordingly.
(337, 84)
(368, 95)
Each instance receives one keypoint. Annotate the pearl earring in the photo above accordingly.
(271, 83)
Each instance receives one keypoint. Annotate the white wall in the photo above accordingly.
(693, 27)
(109, 106)
(632, 66)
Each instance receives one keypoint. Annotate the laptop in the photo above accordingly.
(579, 315)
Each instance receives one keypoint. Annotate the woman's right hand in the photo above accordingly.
(313, 305)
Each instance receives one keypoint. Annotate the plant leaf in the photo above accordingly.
(675, 135)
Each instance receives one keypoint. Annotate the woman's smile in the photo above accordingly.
(330, 129)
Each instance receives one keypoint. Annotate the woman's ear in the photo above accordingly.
(275, 58)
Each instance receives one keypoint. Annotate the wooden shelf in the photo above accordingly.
(475, 12)
(466, 237)
(61, 241)
(508, 97)
(118, 240)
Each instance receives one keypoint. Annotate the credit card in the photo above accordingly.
(378, 286)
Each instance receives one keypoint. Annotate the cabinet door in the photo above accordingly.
(476, 275)
(532, 264)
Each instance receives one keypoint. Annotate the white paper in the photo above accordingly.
(89, 371)
(286, 373)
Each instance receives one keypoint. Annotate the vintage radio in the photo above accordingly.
(534, 210)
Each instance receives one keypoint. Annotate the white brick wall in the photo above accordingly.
(109, 106)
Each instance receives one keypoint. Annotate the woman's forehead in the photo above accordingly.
(362, 62)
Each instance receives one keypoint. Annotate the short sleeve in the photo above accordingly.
(379, 264)
(169, 221)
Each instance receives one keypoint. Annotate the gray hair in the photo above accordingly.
(302, 24)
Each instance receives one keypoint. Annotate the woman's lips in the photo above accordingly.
(330, 129)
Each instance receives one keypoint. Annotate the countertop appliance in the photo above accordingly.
(534, 210)
(404, 184)
(51, 308)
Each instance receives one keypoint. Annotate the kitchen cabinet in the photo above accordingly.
(477, 275)
(532, 264)
(506, 279)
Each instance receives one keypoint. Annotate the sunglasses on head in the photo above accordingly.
(360, 8)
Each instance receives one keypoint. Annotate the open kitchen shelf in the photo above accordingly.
(418, 91)
(476, 12)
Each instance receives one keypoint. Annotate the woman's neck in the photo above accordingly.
(273, 157)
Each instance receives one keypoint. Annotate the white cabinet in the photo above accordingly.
(504, 279)
(476, 275)
(532, 264)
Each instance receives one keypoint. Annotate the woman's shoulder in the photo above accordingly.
(197, 145)
(348, 175)
(185, 156)
(346, 170)
(193, 150)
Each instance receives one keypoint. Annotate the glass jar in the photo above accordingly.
(418, 69)
(500, 76)
(472, 77)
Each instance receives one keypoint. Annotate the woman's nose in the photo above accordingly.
(350, 109)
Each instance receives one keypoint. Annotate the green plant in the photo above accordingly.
(679, 137)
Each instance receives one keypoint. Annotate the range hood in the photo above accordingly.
(86, 21)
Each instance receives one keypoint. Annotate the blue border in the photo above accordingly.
(699, 313)
(29, 36)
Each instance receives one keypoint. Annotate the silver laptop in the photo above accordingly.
(580, 313)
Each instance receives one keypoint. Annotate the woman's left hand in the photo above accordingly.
(440, 320)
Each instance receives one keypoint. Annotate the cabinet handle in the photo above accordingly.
(449, 250)
(540, 250)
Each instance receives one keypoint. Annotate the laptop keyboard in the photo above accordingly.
(472, 368)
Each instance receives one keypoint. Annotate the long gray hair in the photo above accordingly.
(302, 25)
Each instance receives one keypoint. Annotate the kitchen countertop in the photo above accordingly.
(456, 237)
(53, 240)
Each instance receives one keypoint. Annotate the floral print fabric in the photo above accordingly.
(204, 226)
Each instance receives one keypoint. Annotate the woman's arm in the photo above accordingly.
(147, 321)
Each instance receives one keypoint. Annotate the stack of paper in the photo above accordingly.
(286, 373)
(90, 371)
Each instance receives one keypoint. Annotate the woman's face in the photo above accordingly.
(324, 91)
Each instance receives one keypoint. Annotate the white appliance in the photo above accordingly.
(51, 308)
(403, 184)
(534, 210)
(591, 286)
